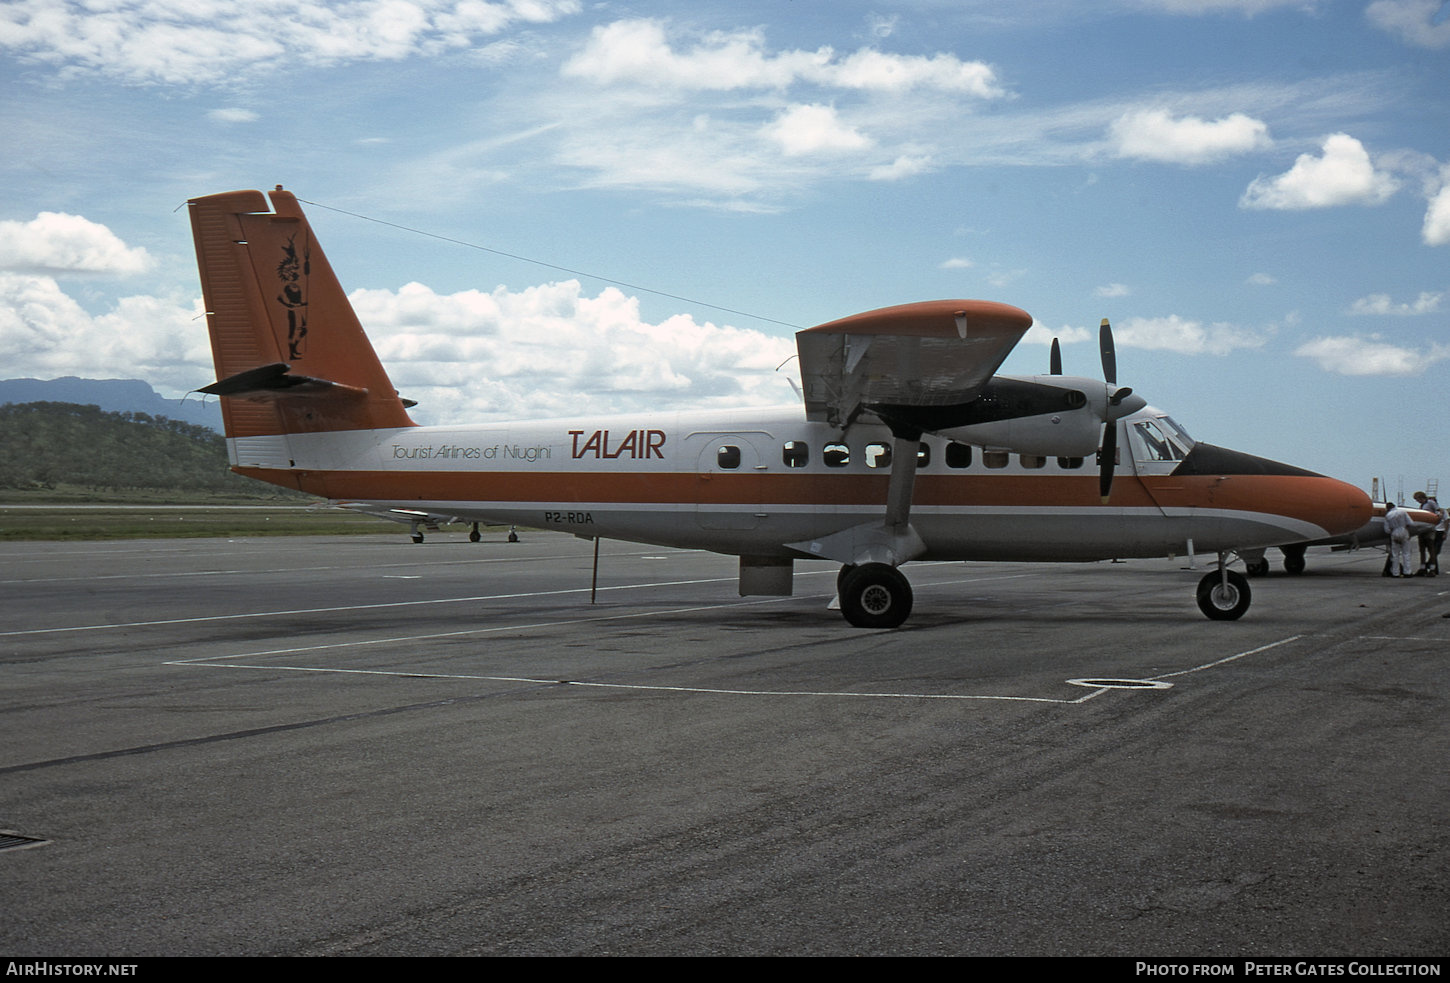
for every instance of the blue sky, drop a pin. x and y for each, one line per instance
(1256, 192)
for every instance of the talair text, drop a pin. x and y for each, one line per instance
(637, 444)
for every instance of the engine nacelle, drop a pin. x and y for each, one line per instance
(1047, 415)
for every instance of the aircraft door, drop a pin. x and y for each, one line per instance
(730, 479)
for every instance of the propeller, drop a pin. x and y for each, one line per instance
(1108, 446)
(1109, 453)
(1110, 358)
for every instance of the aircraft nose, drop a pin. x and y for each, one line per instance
(1353, 506)
(1257, 483)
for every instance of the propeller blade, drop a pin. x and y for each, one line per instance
(1109, 454)
(1055, 360)
(1110, 358)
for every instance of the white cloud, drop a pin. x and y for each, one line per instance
(57, 242)
(232, 115)
(1174, 334)
(1381, 305)
(1345, 175)
(1155, 135)
(44, 333)
(1248, 8)
(880, 72)
(881, 26)
(814, 129)
(1040, 334)
(1369, 356)
(638, 52)
(902, 167)
(1436, 231)
(163, 41)
(544, 351)
(475, 355)
(1416, 22)
(1112, 290)
(957, 263)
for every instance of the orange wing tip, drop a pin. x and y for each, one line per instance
(932, 319)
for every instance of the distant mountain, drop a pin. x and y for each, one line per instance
(113, 396)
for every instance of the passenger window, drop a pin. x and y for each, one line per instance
(795, 454)
(995, 459)
(1032, 462)
(878, 455)
(836, 455)
(959, 455)
(1069, 463)
(923, 454)
(728, 457)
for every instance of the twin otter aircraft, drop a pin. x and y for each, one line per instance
(909, 446)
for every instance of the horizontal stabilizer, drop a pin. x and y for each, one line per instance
(277, 380)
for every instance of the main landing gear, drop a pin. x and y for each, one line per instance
(873, 595)
(1224, 594)
(1257, 565)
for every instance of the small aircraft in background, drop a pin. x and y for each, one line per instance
(418, 521)
(1371, 534)
(908, 447)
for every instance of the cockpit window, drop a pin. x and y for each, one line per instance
(1174, 430)
(1155, 444)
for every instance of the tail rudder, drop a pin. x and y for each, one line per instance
(290, 354)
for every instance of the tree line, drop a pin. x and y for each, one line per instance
(46, 445)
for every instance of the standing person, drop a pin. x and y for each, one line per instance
(1431, 541)
(1397, 524)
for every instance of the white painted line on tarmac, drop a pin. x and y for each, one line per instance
(1230, 658)
(360, 607)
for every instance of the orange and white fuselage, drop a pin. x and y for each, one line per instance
(747, 483)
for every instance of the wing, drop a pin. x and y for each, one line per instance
(933, 354)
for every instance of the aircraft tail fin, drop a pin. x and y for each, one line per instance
(290, 354)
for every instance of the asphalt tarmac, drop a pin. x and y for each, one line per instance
(356, 745)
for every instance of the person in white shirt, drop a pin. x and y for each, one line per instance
(1431, 541)
(1397, 524)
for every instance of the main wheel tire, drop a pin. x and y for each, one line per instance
(1294, 561)
(875, 595)
(1257, 568)
(1224, 601)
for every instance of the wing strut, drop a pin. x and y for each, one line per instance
(892, 541)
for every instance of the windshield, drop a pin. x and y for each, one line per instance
(1160, 439)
